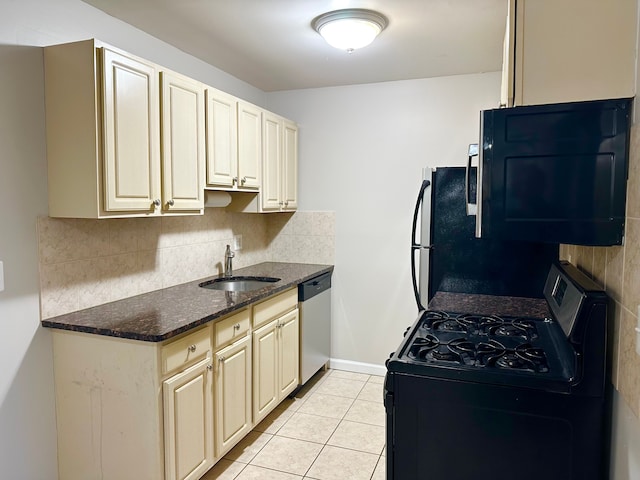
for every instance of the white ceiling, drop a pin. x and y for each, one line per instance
(270, 43)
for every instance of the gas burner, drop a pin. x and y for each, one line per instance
(443, 353)
(462, 345)
(488, 352)
(448, 325)
(534, 355)
(511, 330)
(513, 361)
(421, 346)
(527, 325)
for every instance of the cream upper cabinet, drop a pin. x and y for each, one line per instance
(222, 139)
(130, 131)
(568, 50)
(270, 194)
(249, 145)
(279, 164)
(234, 142)
(188, 422)
(183, 142)
(232, 404)
(290, 165)
(106, 154)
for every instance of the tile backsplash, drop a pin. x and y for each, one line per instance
(617, 269)
(84, 263)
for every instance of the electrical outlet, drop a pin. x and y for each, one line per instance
(237, 242)
(1, 277)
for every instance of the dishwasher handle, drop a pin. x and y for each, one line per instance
(314, 286)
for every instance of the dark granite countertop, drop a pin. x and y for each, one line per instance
(490, 305)
(162, 314)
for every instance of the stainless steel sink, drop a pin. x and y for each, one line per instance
(238, 284)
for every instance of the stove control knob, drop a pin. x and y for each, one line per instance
(406, 331)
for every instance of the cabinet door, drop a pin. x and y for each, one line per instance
(508, 56)
(182, 143)
(271, 162)
(131, 157)
(222, 138)
(574, 50)
(188, 425)
(290, 165)
(265, 370)
(249, 145)
(288, 352)
(232, 394)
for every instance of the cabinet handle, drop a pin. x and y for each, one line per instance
(286, 204)
(280, 203)
(171, 203)
(236, 326)
(192, 348)
(234, 181)
(209, 367)
(156, 202)
(244, 180)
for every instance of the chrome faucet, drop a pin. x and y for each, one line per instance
(228, 264)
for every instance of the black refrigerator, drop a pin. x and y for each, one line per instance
(446, 256)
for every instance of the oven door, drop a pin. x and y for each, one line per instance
(439, 428)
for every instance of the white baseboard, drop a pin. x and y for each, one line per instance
(357, 367)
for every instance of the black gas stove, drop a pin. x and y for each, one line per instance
(473, 395)
(507, 350)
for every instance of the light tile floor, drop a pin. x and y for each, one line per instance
(332, 430)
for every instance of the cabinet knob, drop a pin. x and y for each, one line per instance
(286, 204)
(280, 203)
(236, 326)
(209, 367)
(192, 348)
(244, 180)
(156, 202)
(234, 181)
(171, 203)
(221, 359)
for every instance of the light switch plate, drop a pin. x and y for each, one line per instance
(638, 332)
(1, 277)
(237, 242)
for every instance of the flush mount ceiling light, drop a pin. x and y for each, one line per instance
(349, 29)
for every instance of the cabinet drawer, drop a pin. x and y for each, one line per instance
(186, 350)
(231, 328)
(274, 307)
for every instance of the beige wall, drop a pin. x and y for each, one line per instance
(618, 270)
(84, 263)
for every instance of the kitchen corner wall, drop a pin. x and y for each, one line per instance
(84, 263)
(617, 269)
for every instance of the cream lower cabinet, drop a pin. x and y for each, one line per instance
(149, 411)
(188, 422)
(232, 394)
(275, 355)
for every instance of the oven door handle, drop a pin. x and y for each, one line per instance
(415, 246)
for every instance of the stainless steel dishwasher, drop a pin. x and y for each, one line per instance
(314, 297)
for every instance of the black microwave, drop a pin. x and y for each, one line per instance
(552, 173)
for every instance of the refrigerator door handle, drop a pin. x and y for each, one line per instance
(472, 208)
(415, 245)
